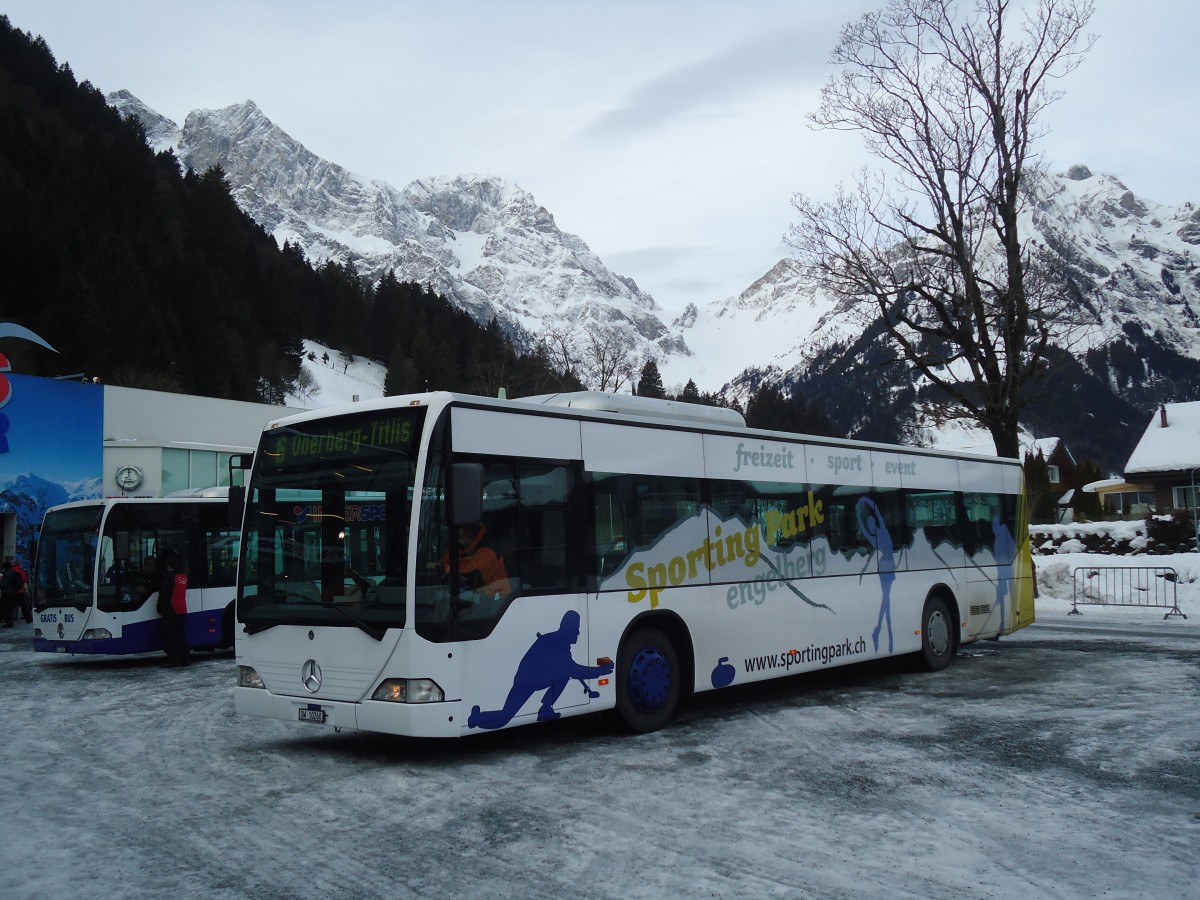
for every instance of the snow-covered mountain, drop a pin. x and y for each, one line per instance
(764, 328)
(490, 248)
(482, 242)
(1133, 257)
(161, 133)
(1137, 255)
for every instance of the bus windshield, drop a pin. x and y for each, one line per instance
(66, 558)
(327, 523)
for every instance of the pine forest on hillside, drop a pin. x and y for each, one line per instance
(148, 277)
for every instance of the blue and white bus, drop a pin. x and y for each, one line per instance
(97, 573)
(443, 565)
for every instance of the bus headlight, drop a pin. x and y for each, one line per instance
(247, 677)
(96, 634)
(409, 690)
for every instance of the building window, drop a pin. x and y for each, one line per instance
(184, 469)
(1185, 497)
(1052, 473)
(239, 475)
(175, 470)
(204, 469)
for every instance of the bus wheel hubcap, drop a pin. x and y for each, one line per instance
(649, 679)
(939, 634)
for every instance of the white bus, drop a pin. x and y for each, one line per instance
(98, 567)
(647, 549)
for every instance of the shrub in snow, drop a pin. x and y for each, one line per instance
(1155, 534)
(1111, 538)
(1170, 533)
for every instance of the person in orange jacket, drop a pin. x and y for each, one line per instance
(479, 567)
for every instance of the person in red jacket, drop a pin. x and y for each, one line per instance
(172, 606)
(24, 599)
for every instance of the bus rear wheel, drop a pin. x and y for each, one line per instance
(648, 676)
(937, 634)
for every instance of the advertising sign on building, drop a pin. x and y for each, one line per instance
(51, 451)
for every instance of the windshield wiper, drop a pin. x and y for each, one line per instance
(366, 627)
(255, 629)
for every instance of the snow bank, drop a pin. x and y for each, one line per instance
(1056, 584)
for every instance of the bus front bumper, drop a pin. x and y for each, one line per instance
(444, 719)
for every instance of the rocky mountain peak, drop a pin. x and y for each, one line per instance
(161, 132)
(482, 242)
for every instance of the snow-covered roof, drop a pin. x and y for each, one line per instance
(1114, 486)
(1045, 446)
(1171, 448)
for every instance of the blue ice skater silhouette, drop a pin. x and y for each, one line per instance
(879, 537)
(546, 666)
(1006, 552)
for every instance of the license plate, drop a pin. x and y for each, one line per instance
(313, 715)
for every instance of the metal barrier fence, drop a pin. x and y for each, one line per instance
(1126, 586)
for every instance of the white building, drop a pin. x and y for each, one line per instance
(66, 440)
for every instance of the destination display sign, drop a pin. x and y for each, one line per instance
(344, 440)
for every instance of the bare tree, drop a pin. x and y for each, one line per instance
(950, 101)
(306, 385)
(608, 358)
(558, 345)
(602, 358)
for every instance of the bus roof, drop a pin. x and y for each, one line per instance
(620, 407)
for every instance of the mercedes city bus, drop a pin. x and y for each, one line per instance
(443, 565)
(97, 569)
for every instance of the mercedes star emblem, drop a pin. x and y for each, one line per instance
(310, 676)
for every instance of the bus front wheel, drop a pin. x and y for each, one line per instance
(937, 634)
(647, 680)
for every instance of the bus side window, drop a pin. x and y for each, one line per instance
(633, 512)
(841, 527)
(544, 543)
(891, 503)
(221, 553)
(609, 523)
(984, 513)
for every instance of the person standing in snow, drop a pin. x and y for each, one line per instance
(10, 585)
(172, 606)
(24, 599)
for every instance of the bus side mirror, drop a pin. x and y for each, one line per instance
(237, 492)
(237, 505)
(121, 545)
(466, 493)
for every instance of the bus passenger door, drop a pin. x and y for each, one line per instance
(531, 663)
(207, 622)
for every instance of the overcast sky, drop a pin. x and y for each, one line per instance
(669, 135)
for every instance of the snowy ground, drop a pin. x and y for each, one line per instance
(1060, 762)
